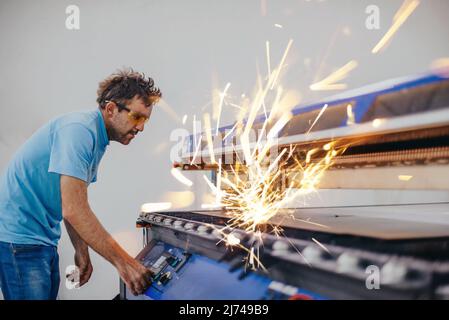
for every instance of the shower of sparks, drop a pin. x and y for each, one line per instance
(180, 177)
(400, 17)
(251, 190)
(330, 82)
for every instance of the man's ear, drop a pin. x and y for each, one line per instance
(109, 108)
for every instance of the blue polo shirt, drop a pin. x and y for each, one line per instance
(30, 193)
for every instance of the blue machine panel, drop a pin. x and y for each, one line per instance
(179, 275)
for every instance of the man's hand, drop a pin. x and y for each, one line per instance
(136, 277)
(84, 269)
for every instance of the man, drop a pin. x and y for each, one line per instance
(47, 181)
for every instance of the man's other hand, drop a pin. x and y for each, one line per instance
(136, 277)
(84, 269)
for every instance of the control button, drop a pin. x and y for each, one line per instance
(203, 229)
(168, 222)
(178, 224)
(393, 272)
(189, 226)
(165, 278)
(348, 263)
(312, 254)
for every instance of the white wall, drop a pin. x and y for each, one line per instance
(186, 46)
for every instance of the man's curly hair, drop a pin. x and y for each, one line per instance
(124, 85)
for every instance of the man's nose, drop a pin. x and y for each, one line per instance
(140, 127)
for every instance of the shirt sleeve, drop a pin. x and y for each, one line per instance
(72, 151)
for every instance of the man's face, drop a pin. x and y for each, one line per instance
(124, 124)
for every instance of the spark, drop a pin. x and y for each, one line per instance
(405, 177)
(184, 119)
(320, 245)
(278, 70)
(232, 240)
(329, 83)
(277, 25)
(230, 131)
(180, 177)
(155, 206)
(235, 106)
(267, 46)
(401, 16)
(318, 117)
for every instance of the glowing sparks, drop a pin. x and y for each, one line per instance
(184, 119)
(267, 47)
(277, 25)
(180, 177)
(155, 206)
(405, 177)
(329, 83)
(318, 117)
(253, 191)
(232, 240)
(278, 70)
(320, 245)
(401, 16)
(230, 131)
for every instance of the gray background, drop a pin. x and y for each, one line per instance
(188, 47)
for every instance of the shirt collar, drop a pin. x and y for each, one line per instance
(103, 133)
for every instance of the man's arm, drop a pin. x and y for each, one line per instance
(76, 211)
(82, 258)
